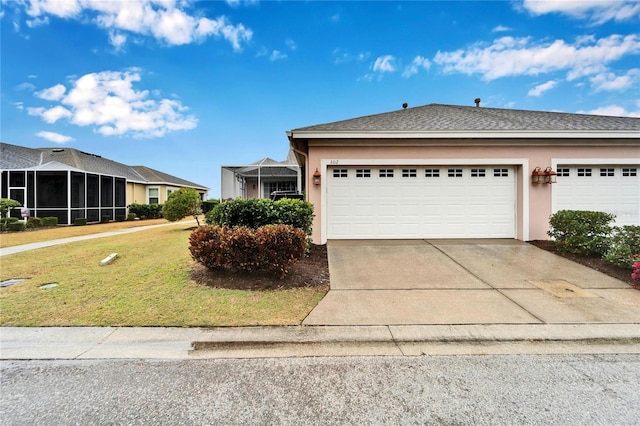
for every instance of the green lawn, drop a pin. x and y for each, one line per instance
(147, 285)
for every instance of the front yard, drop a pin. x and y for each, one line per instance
(149, 284)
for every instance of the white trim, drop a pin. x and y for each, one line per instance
(475, 134)
(555, 162)
(152, 187)
(522, 162)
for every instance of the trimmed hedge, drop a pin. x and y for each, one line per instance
(624, 247)
(15, 226)
(257, 212)
(209, 205)
(34, 222)
(50, 221)
(585, 233)
(146, 211)
(80, 221)
(272, 248)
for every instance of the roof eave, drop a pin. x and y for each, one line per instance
(467, 134)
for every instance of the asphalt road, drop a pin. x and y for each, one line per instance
(485, 389)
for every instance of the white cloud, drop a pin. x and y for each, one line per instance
(612, 110)
(500, 29)
(341, 56)
(418, 62)
(52, 93)
(541, 88)
(596, 11)
(277, 55)
(509, 56)
(384, 64)
(26, 86)
(167, 21)
(108, 102)
(610, 82)
(55, 137)
(291, 44)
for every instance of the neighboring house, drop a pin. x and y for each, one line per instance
(260, 179)
(444, 171)
(70, 184)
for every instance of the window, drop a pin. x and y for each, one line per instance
(363, 173)
(630, 172)
(106, 191)
(563, 172)
(478, 172)
(432, 173)
(454, 173)
(287, 185)
(385, 173)
(340, 173)
(584, 172)
(607, 172)
(153, 195)
(500, 172)
(409, 173)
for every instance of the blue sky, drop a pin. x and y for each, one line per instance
(184, 86)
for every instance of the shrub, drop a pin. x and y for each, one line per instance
(181, 203)
(146, 211)
(34, 222)
(209, 205)
(272, 248)
(105, 219)
(50, 221)
(6, 204)
(80, 221)
(120, 218)
(585, 233)
(15, 226)
(132, 216)
(252, 213)
(624, 244)
(635, 275)
(255, 213)
(297, 213)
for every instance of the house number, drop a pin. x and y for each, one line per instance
(333, 162)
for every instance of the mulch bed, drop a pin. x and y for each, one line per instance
(310, 271)
(592, 262)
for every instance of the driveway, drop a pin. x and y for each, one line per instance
(391, 282)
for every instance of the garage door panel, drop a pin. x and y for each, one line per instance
(428, 202)
(610, 188)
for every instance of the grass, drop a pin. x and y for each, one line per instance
(147, 285)
(47, 234)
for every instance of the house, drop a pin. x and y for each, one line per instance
(70, 184)
(446, 171)
(261, 179)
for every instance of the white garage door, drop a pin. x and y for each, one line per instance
(421, 202)
(608, 188)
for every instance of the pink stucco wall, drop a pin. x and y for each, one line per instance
(539, 153)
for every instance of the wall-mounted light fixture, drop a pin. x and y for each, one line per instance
(316, 177)
(543, 176)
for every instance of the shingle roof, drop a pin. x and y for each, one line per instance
(19, 157)
(154, 176)
(452, 118)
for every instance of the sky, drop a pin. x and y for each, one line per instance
(187, 86)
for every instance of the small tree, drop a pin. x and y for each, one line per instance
(5, 205)
(181, 203)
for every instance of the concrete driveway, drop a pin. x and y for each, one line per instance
(393, 282)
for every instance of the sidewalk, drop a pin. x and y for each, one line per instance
(58, 343)
(6, 251)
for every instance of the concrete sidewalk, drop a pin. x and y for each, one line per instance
(6, 251)
(75, 343)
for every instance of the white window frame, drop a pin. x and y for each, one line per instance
(149, 188)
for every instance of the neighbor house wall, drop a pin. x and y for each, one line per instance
(533, 201)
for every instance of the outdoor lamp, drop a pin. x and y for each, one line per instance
(316, 177)
(537, 176)
(549, 175)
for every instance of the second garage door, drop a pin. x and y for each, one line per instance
(389, 202)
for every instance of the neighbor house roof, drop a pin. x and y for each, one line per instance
(154, 176)
(18, 157)
(268, 167)
(436, 120)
